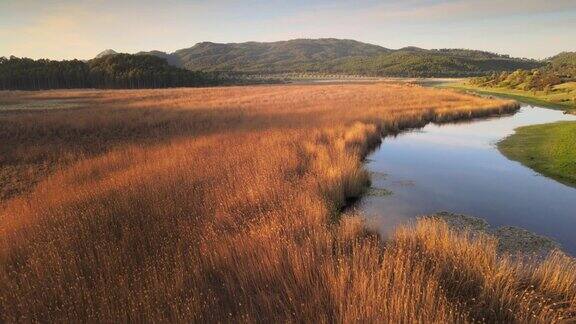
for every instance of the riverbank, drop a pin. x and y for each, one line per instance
(549, 149)
(561, 97)
(514, 241)
(458, 168)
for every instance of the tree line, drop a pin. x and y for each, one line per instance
(527, 80)
(116, 71)
(559, 69)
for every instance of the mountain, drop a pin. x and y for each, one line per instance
(284, 56)
(172, 59)
(106, 53)
(329, 55)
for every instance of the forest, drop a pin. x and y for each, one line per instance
(124, 71)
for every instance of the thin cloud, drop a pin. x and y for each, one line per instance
(470, 9)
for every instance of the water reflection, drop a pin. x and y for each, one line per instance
(457, 168)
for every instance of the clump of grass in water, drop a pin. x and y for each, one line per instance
(378, 192)
(377, 175)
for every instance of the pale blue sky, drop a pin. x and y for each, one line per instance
(64, 29)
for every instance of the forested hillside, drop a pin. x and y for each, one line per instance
(340, 56)
(558, 70)
(563, 65)
(107, 71)
(553, 84)
(432, 63)
(287, 56)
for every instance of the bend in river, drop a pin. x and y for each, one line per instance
(457, 168)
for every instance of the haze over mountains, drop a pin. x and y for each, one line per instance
(341, 56)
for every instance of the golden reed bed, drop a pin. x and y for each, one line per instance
(223, 204)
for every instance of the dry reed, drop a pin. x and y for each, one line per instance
(223, 204)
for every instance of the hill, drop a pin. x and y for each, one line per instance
(287, 56)
(172, 59)
(340, 56)
(564, 58)
(275, 57)
(432, 63)
(558, 69)
(553, 84)
(563, 65)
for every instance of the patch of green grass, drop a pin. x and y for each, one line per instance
(550, 149)
(562, 96)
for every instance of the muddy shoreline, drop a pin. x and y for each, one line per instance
(512, 240)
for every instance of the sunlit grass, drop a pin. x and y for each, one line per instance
(561, 96)
(549, 149)
(223, 204)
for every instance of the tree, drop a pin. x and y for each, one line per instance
(111, 71)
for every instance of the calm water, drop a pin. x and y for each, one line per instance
(457, 168)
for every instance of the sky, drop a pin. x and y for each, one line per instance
(66, 29)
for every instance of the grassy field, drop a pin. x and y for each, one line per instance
(562, 96)
(223, 205)
(549, 149)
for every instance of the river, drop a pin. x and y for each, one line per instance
(457, 168)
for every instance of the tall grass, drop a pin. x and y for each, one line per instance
(223, 204)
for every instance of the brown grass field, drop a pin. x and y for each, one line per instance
(224, 205)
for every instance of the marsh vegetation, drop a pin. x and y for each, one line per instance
(222, 204)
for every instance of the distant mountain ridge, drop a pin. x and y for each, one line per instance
(330, 55)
